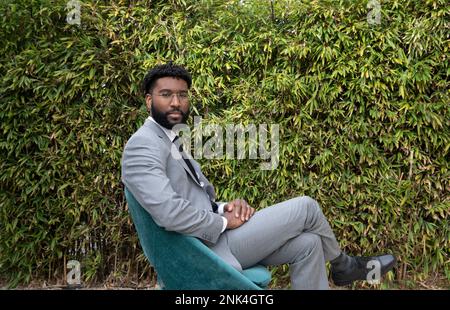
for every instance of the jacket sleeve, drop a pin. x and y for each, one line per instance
(143, 173)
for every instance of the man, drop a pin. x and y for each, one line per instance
(180, 198)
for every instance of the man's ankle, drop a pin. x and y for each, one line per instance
(342, 262)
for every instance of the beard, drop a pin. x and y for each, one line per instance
(161, 117)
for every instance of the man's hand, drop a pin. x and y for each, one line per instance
(237, 212)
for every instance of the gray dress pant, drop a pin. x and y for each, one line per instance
(293, 232)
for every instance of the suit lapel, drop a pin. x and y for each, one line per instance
(173, 148)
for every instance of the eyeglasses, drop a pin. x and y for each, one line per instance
(168, 96)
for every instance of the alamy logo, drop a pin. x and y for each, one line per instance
(74, 15)
(73, 277)
(374, 275)
(221, 142)
(374, 15)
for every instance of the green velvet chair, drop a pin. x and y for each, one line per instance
(185, 263)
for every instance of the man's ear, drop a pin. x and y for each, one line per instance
(148, 102)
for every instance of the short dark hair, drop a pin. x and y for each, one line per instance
(165, 70)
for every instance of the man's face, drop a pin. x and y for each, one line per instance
(169, 102)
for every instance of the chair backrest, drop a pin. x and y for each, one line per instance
(180, 261)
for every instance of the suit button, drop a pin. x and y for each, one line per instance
(202, 184)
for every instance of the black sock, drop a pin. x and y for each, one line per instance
(342, 262)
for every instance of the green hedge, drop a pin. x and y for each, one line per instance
(363, 112)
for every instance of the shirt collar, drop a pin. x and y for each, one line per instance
(170, 134)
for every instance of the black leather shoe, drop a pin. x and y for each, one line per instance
(360, 267)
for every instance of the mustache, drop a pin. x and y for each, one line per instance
(175, 110)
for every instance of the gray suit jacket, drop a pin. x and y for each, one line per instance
(166, 188)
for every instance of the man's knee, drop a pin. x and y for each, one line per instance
(309, 243)
(308, 202)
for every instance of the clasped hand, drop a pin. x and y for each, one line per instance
(237, 212)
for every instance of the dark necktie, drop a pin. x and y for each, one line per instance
(214, 205)
(186, 160)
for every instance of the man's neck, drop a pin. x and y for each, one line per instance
(170, 134)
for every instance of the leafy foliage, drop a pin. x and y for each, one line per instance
(363, 112)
